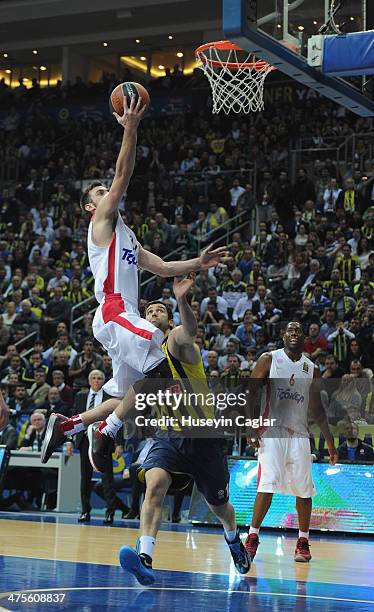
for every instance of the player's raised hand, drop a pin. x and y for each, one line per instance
(210, 257)
(133, 114)
(333, 455)
(181, 286)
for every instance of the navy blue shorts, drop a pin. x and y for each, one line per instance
(201, 460)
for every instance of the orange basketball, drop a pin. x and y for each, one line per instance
(129, 90)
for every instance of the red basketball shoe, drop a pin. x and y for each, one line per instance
(54, 436)
(302, 552)
(251, 544)
(100, 447)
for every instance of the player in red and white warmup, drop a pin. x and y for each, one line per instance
(284, 456)
(133, 343)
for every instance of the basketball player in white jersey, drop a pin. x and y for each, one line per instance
(284, 456)
(133, 343)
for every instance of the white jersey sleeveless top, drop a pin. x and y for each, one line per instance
(287, 392)
(115, 267)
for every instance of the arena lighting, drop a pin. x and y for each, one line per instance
(161, 67)
(105, 44)
(5, 55)
(179, 54)
(43, 68)
(315, 22)
(35, 51)
(8, 71)
(300, 27)
(143, 58)
(170, 37)
(351, 18)
(142, 66)
(137, 41)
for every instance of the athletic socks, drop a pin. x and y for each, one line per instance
(111, 425)
(304, 534)
(145, 546)
(230, 535)
(254, 530)
(72, 426)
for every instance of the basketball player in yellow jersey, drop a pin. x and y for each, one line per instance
(172, 459)
(187, 369)
(177, 460)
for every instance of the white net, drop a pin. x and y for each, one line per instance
(236, 79)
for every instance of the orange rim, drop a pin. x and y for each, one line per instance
(226, 45)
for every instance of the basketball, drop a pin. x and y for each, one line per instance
(127, 90)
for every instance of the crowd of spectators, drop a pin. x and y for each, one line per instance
(309, 256)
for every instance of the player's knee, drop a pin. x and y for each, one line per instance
(157, 483)
(111, 404)
(264, 496)
(306, 501)
(223, 511)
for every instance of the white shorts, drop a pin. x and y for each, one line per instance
(133, 343)
(285, 466)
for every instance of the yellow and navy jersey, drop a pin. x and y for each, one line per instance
(367, 231)
(191, 382)
(140, 230)
(308, 216)
(358, 287)
(252, 277)
(235, 287)
(232, 380)
(329, 287)
(348, 267)
(350, 200)
(28, 374)
(76, 297)
(340, 348)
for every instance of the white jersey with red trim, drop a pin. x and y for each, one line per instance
(287, 393)
(115, 267)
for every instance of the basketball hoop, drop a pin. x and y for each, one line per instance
(236, 77)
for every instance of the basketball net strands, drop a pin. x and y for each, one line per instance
(236, 77)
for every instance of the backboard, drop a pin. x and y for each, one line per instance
(278, 32)
(292, 23)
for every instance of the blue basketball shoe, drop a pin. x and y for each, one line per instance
(140, 565)
(239, 554)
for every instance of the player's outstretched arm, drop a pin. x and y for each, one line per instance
(126, 158)
(186, 332)
(209, 258)
(319, 416)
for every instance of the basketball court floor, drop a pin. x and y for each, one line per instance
(50, 562)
